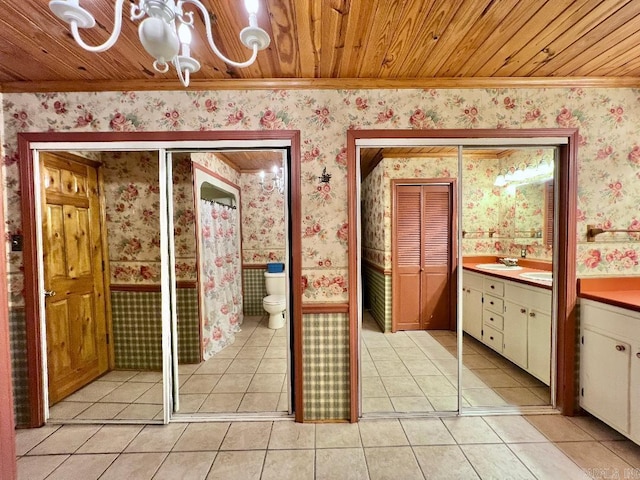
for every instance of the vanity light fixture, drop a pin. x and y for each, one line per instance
(277, 181)
(165, 33)
(526, 174)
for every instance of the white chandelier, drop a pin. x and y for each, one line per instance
(166, 32)
(277, 181)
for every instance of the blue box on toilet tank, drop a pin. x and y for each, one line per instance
(275, 267)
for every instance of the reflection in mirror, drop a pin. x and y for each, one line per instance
(232, 356)
(507, 317)
(128, 384)
(407, 366)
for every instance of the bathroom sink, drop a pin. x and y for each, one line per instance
(539, 276)
(497, 266)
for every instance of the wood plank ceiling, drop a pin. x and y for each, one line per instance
(343, 43)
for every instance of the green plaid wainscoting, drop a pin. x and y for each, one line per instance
(137, 330)
(254, 291)
(326, 366)
(377, 293)
(18, 341)
(188, 325)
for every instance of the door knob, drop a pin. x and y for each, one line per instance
(49, 293)
(620, 348)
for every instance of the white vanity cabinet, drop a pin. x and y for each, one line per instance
(512, 318)
(472, 304)
(610, 365)
(527, 333)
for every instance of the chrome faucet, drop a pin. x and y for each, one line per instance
(509, 262)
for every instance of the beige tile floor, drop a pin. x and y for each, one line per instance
(416, 371)
(248, 376)
(494, 447)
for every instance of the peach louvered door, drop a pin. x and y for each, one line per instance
(77, 350)
(421, 257)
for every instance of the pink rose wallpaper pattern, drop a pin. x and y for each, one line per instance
(608, 156)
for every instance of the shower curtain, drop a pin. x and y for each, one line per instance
(221, 276)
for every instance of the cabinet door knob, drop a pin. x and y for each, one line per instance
(638, 354)
(491, 302)
(491, 319)
(492, 287)
(523, 310)
(620, 348)
(491, 338)
(532, 314)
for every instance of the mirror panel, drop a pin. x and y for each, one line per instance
(131, 388)
(403, 371)
(229, 359)
(506, 322)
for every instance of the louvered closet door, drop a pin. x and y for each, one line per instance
(436, 244)
(421, 257)
(407, 257)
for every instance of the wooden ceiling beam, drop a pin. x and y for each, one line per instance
(322, 84)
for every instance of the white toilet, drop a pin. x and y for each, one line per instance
(275, 303)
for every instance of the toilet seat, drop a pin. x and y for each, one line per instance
(274, 299)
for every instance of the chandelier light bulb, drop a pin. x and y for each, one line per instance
(252, 6)
(184, 34)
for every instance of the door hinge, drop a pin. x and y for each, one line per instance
(582, 339)
(107, 338)
(482, 300)
(103, 265)
(582, 392)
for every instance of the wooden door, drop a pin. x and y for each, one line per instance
(421, 268)
(77, 349)
(436, 257)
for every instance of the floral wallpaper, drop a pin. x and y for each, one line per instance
(263, 223)
(133, 224)
(132, 203)
(609, 150)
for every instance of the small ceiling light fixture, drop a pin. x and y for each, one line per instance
(277, 181)
(165, 33)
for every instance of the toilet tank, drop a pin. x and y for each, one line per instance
(275, 283)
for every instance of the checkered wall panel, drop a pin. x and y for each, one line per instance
(253, 291)
(137, 330)
(326, 366)
(188, 325)
(377, 289)
(18, 346)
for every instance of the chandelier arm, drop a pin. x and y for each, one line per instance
(117, 24)
(212, 44)
(184, 78)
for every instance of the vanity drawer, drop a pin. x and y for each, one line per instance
(493, 319)
(494, 304)
(492, 338)
(495, 287)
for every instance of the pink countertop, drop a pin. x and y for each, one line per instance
(623, 292)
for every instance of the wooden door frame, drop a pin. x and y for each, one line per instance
(566, 174)
(30, 253)
(452, 183)
(7, 427)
